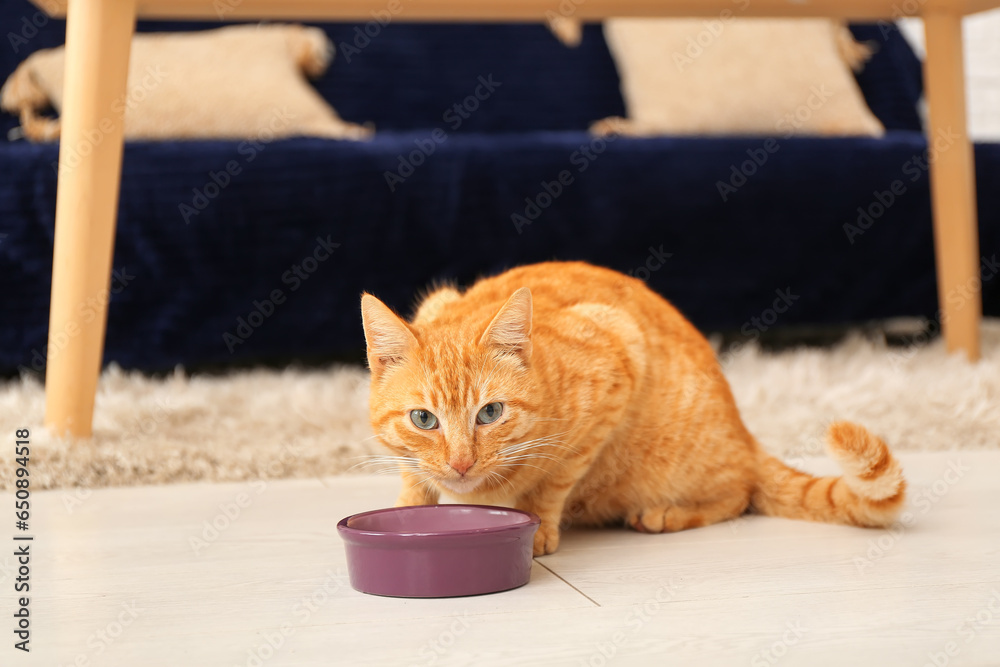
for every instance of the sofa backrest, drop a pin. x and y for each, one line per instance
(405, 76)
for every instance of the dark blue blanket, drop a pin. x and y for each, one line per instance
(232, 252)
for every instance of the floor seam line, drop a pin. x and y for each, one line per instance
(559, 577)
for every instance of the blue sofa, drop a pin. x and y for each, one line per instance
(238, 252)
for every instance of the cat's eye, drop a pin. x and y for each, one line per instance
(490, 413)
(423, 419)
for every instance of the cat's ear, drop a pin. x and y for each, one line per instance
(511, 328)
(389, 338)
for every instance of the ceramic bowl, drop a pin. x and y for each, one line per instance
(432, 551)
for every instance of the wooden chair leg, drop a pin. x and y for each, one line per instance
(953, 185)
(98, 41)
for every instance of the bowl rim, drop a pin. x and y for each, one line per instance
(343, 527)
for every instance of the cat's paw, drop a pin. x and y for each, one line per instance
(665, 519)
(654, 520)
(546, 539)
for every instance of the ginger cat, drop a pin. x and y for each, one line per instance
(579, 394)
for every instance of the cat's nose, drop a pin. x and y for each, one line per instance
(461, 466)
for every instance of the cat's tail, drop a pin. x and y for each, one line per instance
(870, 493)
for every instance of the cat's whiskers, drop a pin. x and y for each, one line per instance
(531, 454)
(535, 448)
(531, 457)
(382, 464)
(522, 453)
(551, 437)
(526, 465)
(386, 471)
(536, 444)
(494, 474)
(537, 457)
(355, 443)
(380, 458)
(426, 479)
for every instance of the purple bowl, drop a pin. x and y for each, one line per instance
(436, 551)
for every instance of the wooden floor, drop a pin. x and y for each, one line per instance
(140, 577)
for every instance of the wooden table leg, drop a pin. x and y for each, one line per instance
(98, 40)
(953, 185)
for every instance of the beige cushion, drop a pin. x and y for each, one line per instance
(236, 82)
(773, 77)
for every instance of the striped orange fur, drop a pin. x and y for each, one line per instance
(613, 409)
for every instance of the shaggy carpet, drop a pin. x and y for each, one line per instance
(298, 423)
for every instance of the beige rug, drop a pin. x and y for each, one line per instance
(308, 423)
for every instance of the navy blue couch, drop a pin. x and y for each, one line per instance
(232, 252)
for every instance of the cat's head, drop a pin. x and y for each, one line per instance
(454, 399)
